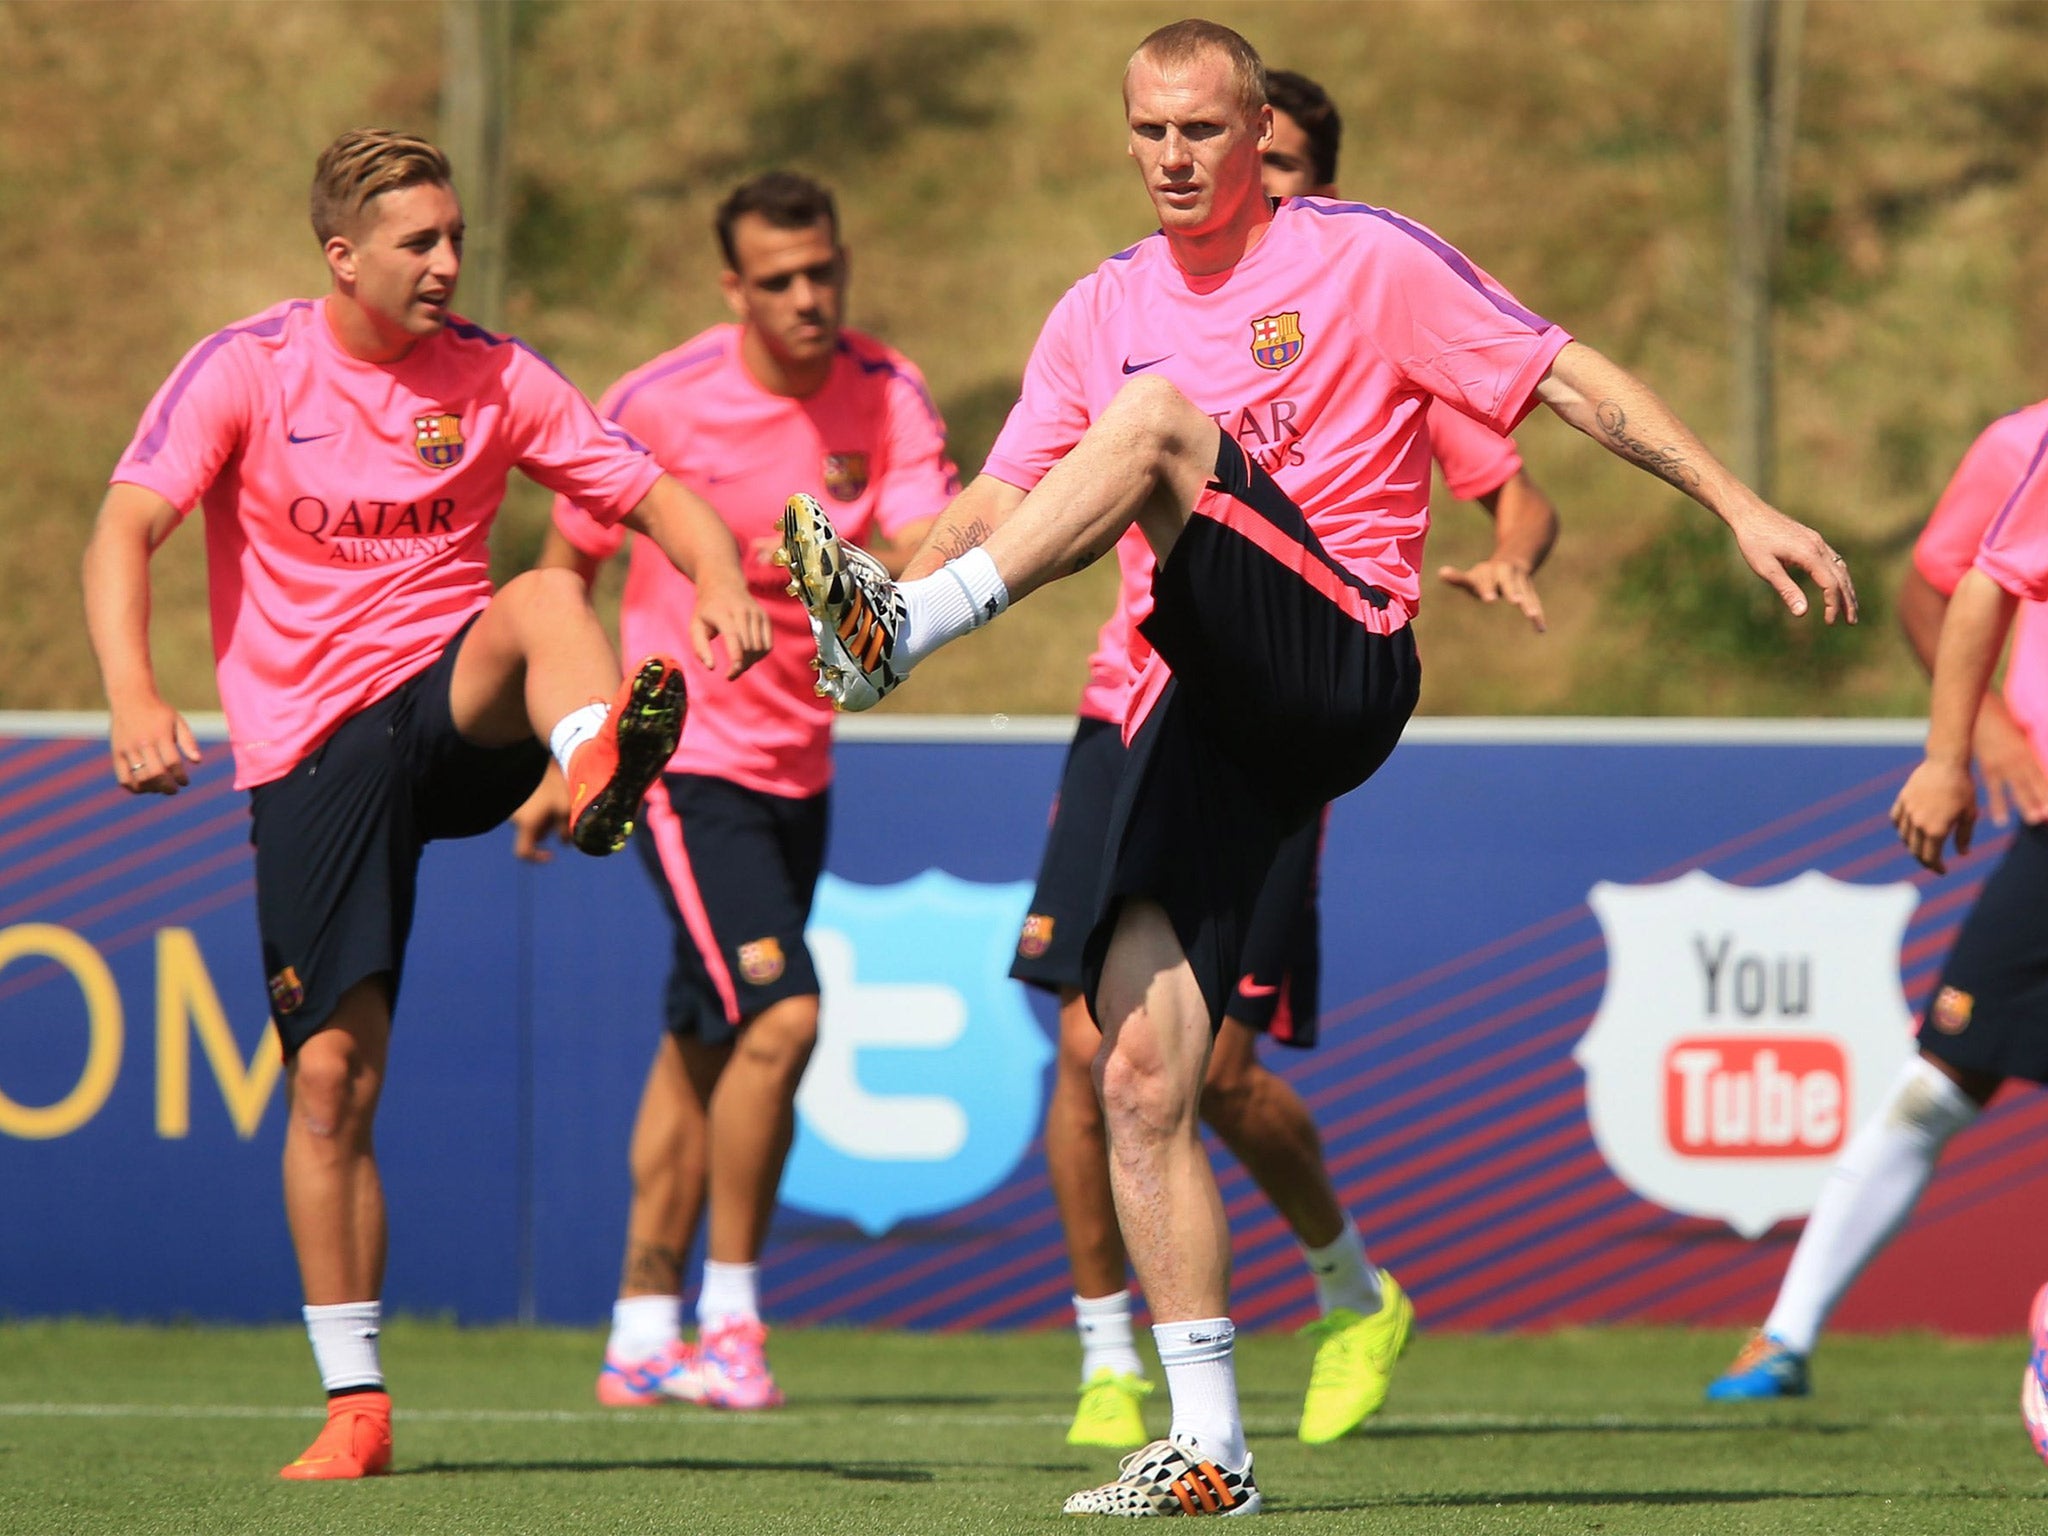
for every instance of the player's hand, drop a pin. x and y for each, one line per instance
(150, 743)
(2013, 780)
(727, 610)
(545, 815)
(1499, 581)
(1939, 799)
(1770, 541)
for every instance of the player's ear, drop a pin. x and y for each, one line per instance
(735, 293)
(340, 252)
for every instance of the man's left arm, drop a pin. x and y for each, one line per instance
(697, 543)
(1941, 798)
(1622, 414)
(1524, 530)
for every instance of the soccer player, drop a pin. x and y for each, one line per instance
(1986, 1022)
(1247, 385)
(351, 452)
(738, 818)
(1365, 1317)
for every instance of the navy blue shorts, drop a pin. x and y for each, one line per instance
(1279, 991)
(1283, 697)
(338, 840)
(1990, 1013)
(737, 870)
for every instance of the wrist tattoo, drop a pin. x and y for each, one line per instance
(955, 542)
(1667, 463)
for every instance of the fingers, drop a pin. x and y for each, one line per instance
(1995, 795)
(526, 841)
(1518, 589)
(1966, 824)
(1464, 581)
(1781, 582)
(2029, 793)
(701, 631)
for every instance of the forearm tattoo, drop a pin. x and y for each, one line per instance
(651, 1267)
(955, 542)
(1667, 463)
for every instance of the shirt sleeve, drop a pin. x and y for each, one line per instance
(2015, 549)
(1982, 483)
(917, 477)
(1475, 461)
(584, 531)
(571, 449)
(1453, 331)
(195, 424)
(1050, 415)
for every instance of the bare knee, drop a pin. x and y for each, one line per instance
(1159, 420)
(1233, 1078)
(545, 590)
(334, 1089)
(1140, 1098)
(780, 1038)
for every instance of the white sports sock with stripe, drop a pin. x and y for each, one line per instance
(1867, 1197)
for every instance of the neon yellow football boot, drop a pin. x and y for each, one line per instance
(1112, 1410)
(1354, 1364)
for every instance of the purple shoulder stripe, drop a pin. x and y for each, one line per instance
(1449, 255)
(470, 331)
(2033, 468)
(874, 365)
(690, 359)
(152, 444)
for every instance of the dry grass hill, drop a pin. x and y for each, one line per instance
(153, 160)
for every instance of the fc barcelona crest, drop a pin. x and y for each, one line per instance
(761, 961)
(438, 439)
(1277, 339)
(846, 475)
(287, 992)
(1036, 938)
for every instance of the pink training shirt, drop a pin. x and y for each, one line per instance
(1475, 462)
(1994, 515)
(348, 504)
(869, 445)
(1319, 352)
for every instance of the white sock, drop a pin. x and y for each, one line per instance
(731, 1294)
(1867, 1198)
(960, 595)
(574, 729)
(1201, 1378)
(644, 1325)
(1104, 1323)
(344, 1339)
(1344, 1276)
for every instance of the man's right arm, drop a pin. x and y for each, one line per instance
(984, 506)
(2012, 774)
(143, 729)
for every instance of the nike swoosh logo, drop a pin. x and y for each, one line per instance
(1131, 367)
(721, 479)
(1250, 987)
(293, 437)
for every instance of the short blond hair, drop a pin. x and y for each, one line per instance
(1183, 42)
(361, 166)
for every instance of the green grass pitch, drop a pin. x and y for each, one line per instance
(114, 1429)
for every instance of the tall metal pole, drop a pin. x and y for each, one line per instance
(476, 91)
(1762, 111)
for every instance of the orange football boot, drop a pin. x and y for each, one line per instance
(356, 1441)
(610, 772)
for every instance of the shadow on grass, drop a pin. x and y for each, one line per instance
(1600, 1426)
(1576, 1499)
(851, 1472)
